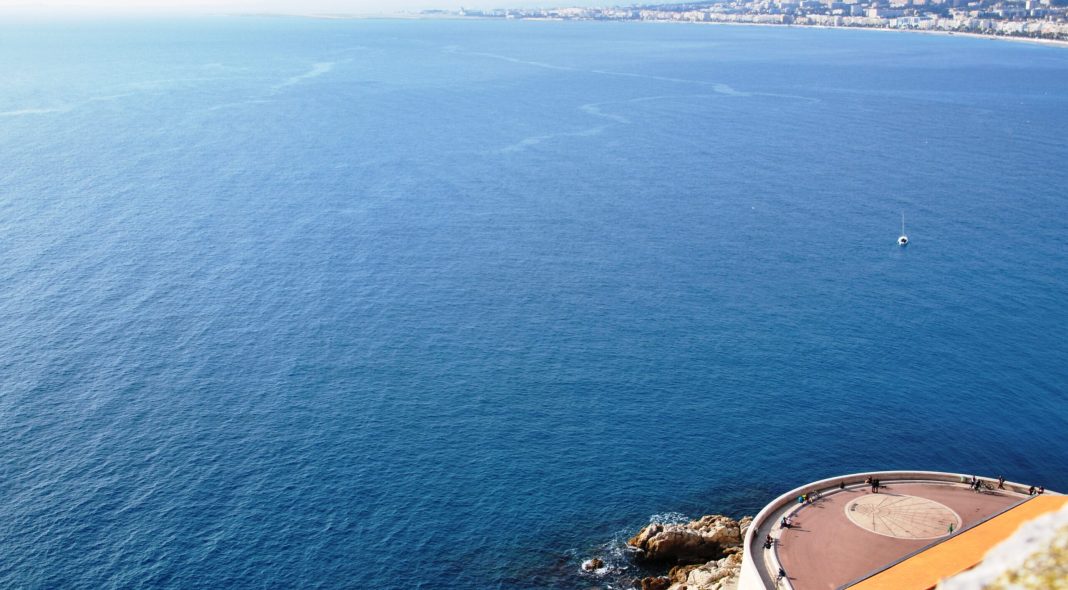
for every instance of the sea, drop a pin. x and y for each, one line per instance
(458, 304)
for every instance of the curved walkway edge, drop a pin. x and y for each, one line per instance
(760, 567)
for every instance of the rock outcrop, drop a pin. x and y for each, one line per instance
(594, 564)
(656, 583)
(721, 574)
(695, 542)
(707, 553)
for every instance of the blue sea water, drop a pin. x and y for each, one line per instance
(458, 304)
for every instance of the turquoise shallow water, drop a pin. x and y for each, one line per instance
(457, 304)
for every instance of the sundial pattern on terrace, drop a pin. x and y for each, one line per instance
(902, 517)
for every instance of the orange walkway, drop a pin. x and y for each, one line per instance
(958, 553)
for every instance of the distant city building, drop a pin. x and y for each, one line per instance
(1045, 19)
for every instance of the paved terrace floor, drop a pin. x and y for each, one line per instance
(960, 552)
(850, 533)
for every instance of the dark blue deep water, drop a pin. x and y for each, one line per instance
(456, 305)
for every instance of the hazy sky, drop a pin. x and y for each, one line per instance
(286, 6)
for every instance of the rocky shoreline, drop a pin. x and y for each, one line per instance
(703, 554)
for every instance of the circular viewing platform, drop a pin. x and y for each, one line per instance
(845, 533)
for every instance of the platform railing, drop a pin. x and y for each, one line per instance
(755, 574)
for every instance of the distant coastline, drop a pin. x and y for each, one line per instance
(1050, 42)
(1018, 39)
(458, 17)
(1034, 19)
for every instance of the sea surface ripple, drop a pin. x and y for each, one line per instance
(296, 303)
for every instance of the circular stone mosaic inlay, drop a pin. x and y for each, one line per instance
(903, 517)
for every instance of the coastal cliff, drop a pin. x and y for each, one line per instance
(706, 554)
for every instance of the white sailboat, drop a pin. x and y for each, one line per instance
(904, 239)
